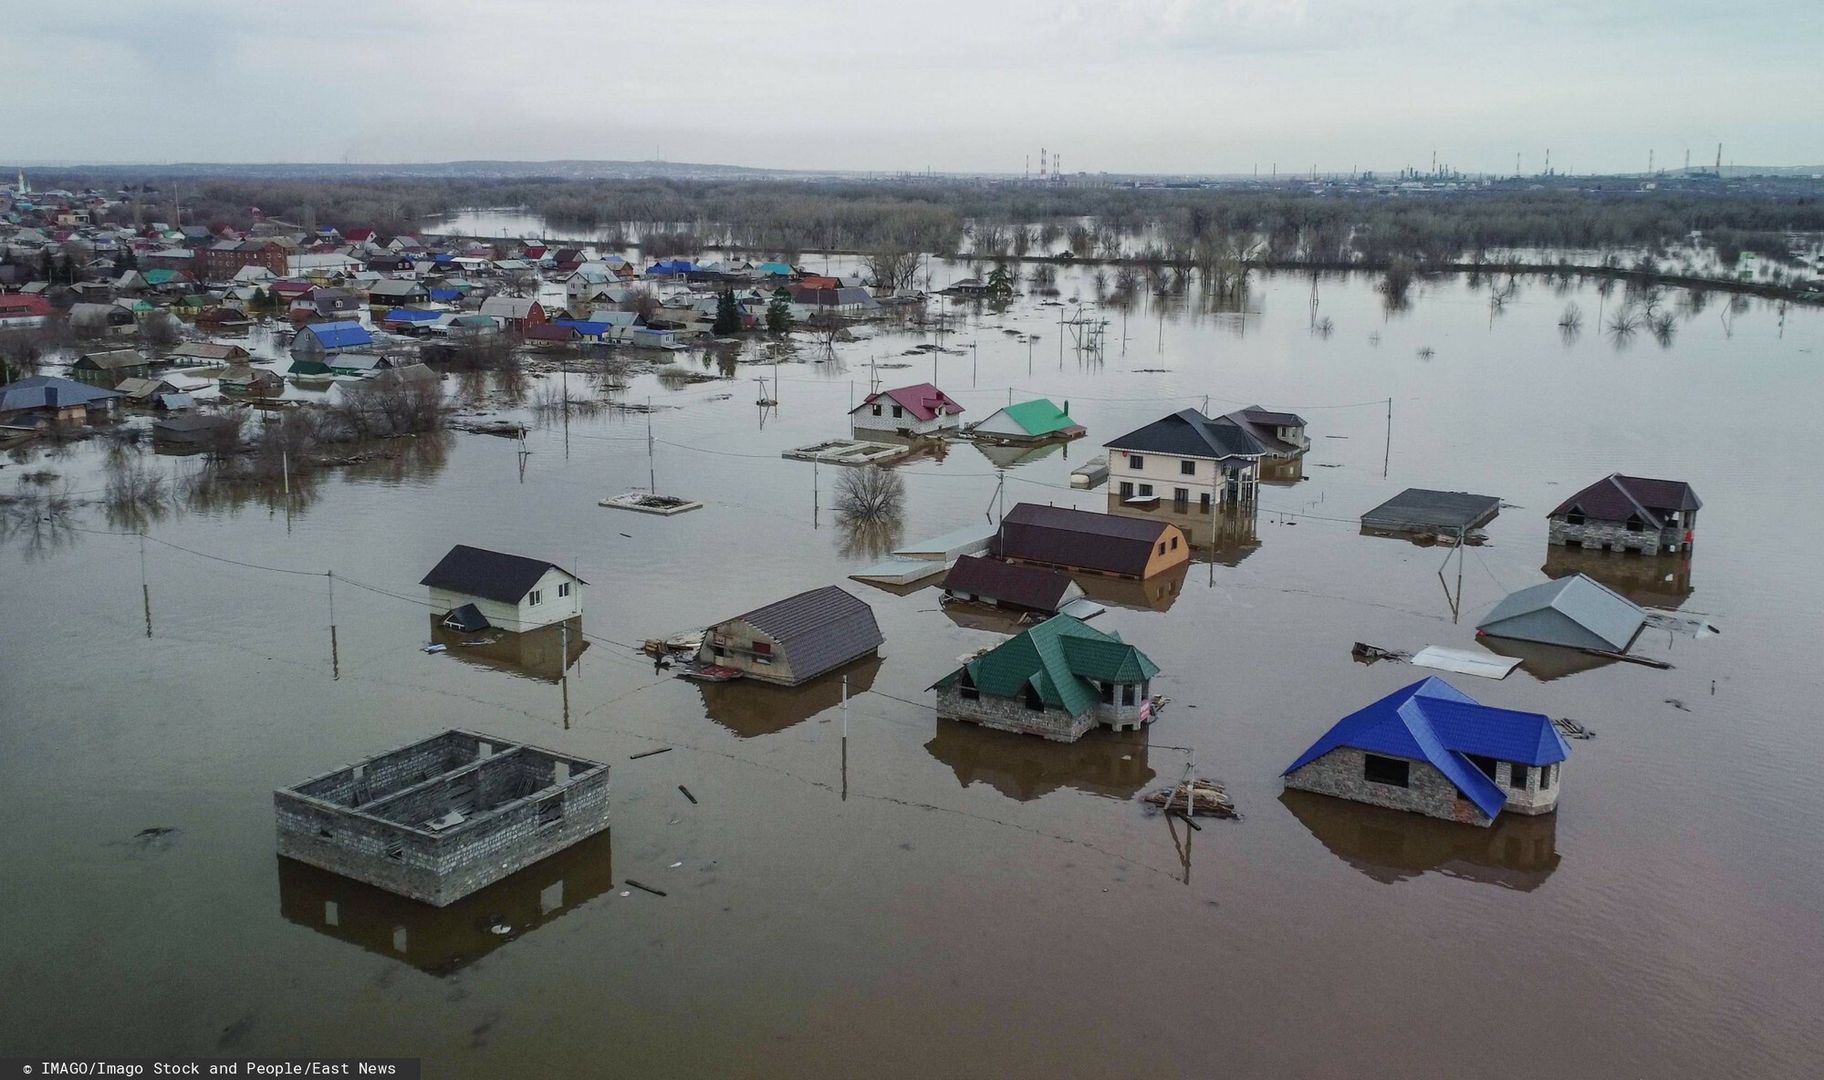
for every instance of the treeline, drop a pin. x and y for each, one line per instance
(1281, 223)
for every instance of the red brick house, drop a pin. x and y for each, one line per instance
(223, 259)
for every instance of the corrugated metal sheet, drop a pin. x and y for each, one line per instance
(1464, 662)
(1033, 587)
(1079, 538)
(1440, 511)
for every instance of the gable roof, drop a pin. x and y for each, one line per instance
(508, 307)
(339, 335)
(1616, 498)
(112, 360)
(491, 575)
(818, 630)
(1025, 586)
(206, 350)
(1264, 425)
(1057, 659)
(1575, 611)
(1433, 721)
(922, 400)
(1189, 433)
(1082, 538)
(1039, 417)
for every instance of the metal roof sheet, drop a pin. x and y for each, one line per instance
(818, 630)
(1079, 538)
(1422, 508)
(491, 575)
(1032, 587)
(1057, 659)
(1576, 606)
(1189, 433)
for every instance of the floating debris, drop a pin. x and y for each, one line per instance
(644, 888)
(649, 753)
(1206, 798)
(1370, 654)
(645, 502)
(1571, 729)
(687, 795)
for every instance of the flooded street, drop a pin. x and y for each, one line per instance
(954, 901)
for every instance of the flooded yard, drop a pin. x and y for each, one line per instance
(937, 899)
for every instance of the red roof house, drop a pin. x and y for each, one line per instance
(921, 409)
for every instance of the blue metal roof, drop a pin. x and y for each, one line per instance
(586, 327)
(446, 294)
(1433, 721)
(340, 335)
(672, 266)
(413, 315)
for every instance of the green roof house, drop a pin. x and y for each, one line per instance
(1029, 421)
(1058, 680)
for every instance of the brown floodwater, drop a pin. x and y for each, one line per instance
(941, 900)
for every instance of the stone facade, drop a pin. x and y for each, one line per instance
(370, 821)
(956, 702)
(1341, 773)
(1616, 536)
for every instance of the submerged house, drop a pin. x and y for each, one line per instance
(49, 398)
(314, 341)
(1011, 586)
(1187, 456)
(442, 817)
(1028, 422)
(478, 588)
(1423, 512)
(921, 409)
(1058, 680)
(515, 313)
(1433, 750)
(1628, 513)
(1576, 612)
(1090, 542)
(113, 364)
(794, 640)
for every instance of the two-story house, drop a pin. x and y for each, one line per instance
(1186, 457)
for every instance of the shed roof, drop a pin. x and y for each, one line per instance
(1189, 433)
(1435, 722)
(1616, 498)
(818, 630)
(1422, 508)
(1570, 611)
(1032, 587)
(491, 575)
(1057, 659)
(112, 360)
(1083, 538)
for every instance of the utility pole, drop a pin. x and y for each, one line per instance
(1387, 456)
(652, 481)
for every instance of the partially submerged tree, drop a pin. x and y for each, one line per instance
(779, 312)
(728, 315)
(869, 494)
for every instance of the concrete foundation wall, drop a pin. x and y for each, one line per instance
(1614, 536)
(1011, 714)
(1429, 791)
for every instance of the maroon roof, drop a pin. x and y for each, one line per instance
(1079, 538)
(551, 332)
(1032, 587)
(922, 400)
(1616, 498)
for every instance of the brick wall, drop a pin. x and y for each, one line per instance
(1614, 536)
(1429, 791)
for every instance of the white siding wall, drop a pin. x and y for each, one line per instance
(516, 618)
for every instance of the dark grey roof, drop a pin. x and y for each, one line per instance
(1189, 433)
(491, 575)
(1574, 611)
(818, 630)
(1079, 538)
(1032, 587)
(467, 618)
(1616, 498)
(1420, 508)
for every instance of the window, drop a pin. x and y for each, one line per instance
(1187, 468)
(1575, 517)
(563, 588)
(1635, 524)
(551, 811)
(1127, 489)
(1181, 497)
(1486, 764)
(536, 597)
(1034, 701)
(1203, 501)
(1127, 693)
(1174, 543)
(898, 412)
(1108, 693)
(762, 648)
(1518, 775)
(877, 410)
(968, 693)
(1135, 461)
(1545, 777)
(1146, 491)
(1162, 547)
(1385, 770)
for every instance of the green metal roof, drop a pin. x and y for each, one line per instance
(1058, 658)
(1040, 417)
(159, 277)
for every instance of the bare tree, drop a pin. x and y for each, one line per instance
(869, 493)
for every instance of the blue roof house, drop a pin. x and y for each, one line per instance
(1432, 750)
(316, 339)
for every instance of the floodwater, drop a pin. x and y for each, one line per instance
(945, 901)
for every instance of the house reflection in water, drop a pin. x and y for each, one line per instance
(1156, 593)
(1013, 456)
(1518, 851)
(534, 654)
(443, 941)
(1235, 536)
(1103, 762)
(1662, 581)
(750, 708)
(1546, 662)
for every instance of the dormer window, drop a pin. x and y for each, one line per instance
(1575, 517)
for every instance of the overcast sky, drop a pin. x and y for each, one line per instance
(953, 85)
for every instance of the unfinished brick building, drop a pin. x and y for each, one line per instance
(443, 817)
